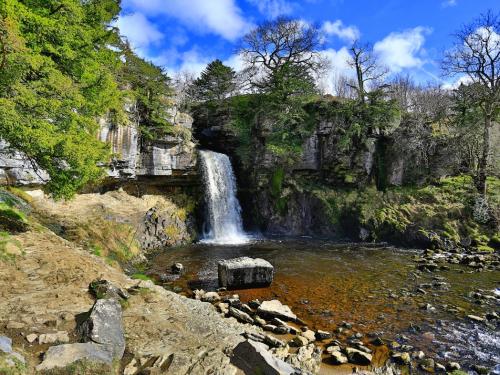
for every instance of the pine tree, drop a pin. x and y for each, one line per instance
(216, 83)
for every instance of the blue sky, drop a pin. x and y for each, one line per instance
(409, 36)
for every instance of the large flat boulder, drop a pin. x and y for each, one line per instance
(245, 272)
(61, 356)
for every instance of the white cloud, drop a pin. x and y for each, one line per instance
(338, 60)
(337, 28)
(455, 84)
(222, 17)
(140, 32)
(402, 50)
(448, 3)
(273, 8)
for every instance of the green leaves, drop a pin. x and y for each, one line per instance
(58, 77)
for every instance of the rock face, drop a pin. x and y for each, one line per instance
(169, 160)
(245, 272)
(254, 358)
(16, 169)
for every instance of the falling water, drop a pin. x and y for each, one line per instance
(223, 221)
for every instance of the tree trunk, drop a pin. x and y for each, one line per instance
(483, 160)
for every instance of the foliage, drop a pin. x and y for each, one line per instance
(55, 79)
(62, 66)
(149, 87)
(445, 208)
(215, 83)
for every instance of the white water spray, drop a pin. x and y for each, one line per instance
(223, 222)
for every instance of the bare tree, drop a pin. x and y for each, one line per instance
(476, 54)
(368, 68)
(281, 47)
(344, 87)
(402, 90)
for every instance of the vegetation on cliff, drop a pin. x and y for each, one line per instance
(62, 66)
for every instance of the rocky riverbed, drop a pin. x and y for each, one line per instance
(375, 300)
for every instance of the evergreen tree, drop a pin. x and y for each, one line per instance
(216, 83)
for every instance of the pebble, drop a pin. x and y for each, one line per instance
(51, 338)
(31, 337)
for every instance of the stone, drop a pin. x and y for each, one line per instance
(418, 355)
(377, 341)
(332, 348)
(211, 297)
(269, 327)
(177, 268)
(323, 335)
(401, 358)
(309, 335)
(475, 318)
(439, 367)
(245, 308)
(15, 325)
(61, 356)
(299, 341)
(280, 323)
(337, 358)
(5, 344)
(453, 366)
(31, 337)
(307, 358)
(240, 315)
(223, 308)
(275, 308)
(245, 272)
(259, 321)
(427, 365)
(254, 358)
(104, 326)
(358, 357)
(60, 337)
(281, 330)
(199, 293)
(104, 289)
(254, 304)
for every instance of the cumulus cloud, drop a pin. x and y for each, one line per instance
(339, 67)
(402, 50)
(337, 28)
(139, 31)
(222, 17)
(273, 8)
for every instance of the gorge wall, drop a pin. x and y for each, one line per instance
(170, 160)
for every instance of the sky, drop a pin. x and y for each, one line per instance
(408, 36)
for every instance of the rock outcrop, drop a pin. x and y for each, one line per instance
(168, 160)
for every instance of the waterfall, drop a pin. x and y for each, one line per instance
(223, 224)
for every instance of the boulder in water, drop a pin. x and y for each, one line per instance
(245, 272)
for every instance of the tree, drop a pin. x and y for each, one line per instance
(367, 67)
(476, 54)
(56, 79)
(150, 88)
(216, 83)
(282, 56)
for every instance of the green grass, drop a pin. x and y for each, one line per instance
(140, 276)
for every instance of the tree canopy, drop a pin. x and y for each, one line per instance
(61, 68)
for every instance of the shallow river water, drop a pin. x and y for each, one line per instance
(377, 289)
